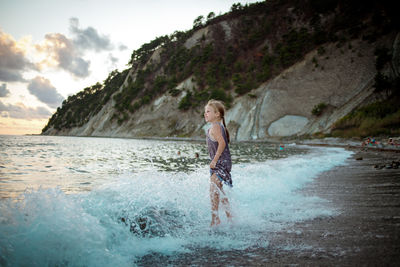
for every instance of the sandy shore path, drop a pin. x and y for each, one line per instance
(367, 230)
(365, 233)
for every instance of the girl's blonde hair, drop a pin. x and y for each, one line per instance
(219, 106)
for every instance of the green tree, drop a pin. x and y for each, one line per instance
(236, 7)
(198, 22)
(210, 16)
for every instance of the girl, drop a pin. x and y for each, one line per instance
(221, 164)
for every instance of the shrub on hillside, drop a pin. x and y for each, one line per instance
(318, 109)
(186, 101)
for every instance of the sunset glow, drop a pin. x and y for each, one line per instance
(21, 126)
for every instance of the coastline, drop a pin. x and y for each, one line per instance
(366, 232)
(349, 144)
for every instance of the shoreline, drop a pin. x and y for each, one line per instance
(355, 147)
(350, 143)
(366, 230)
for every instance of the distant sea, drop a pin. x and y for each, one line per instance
(82, 201)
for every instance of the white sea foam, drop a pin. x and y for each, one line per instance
(164, 212)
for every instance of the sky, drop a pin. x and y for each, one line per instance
(51, 49)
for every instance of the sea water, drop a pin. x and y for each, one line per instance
(71, 201)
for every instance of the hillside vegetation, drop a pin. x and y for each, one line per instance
(264, 39)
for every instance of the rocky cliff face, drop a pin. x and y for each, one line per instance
(340, 77)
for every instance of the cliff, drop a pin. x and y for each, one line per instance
(291, 72)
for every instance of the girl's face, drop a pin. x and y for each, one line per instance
(210, 115)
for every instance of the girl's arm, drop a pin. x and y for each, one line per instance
(217, 135)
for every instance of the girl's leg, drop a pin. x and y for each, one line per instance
(225, 203)
(215, 187)
(227, 206)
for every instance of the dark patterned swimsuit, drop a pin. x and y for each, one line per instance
(224, 165)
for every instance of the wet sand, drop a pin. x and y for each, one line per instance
(365, 233)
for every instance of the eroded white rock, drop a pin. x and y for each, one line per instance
(287, 125)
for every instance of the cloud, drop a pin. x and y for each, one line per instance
(12, 59)
(89, 38)
(45, 92)
(122, 47)
(61, 52)
(55, 51)
(112, 59)
(67, 53)
(111, 62)
(20, 111)
(3, 90)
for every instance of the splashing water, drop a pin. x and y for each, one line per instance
(158, 211)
